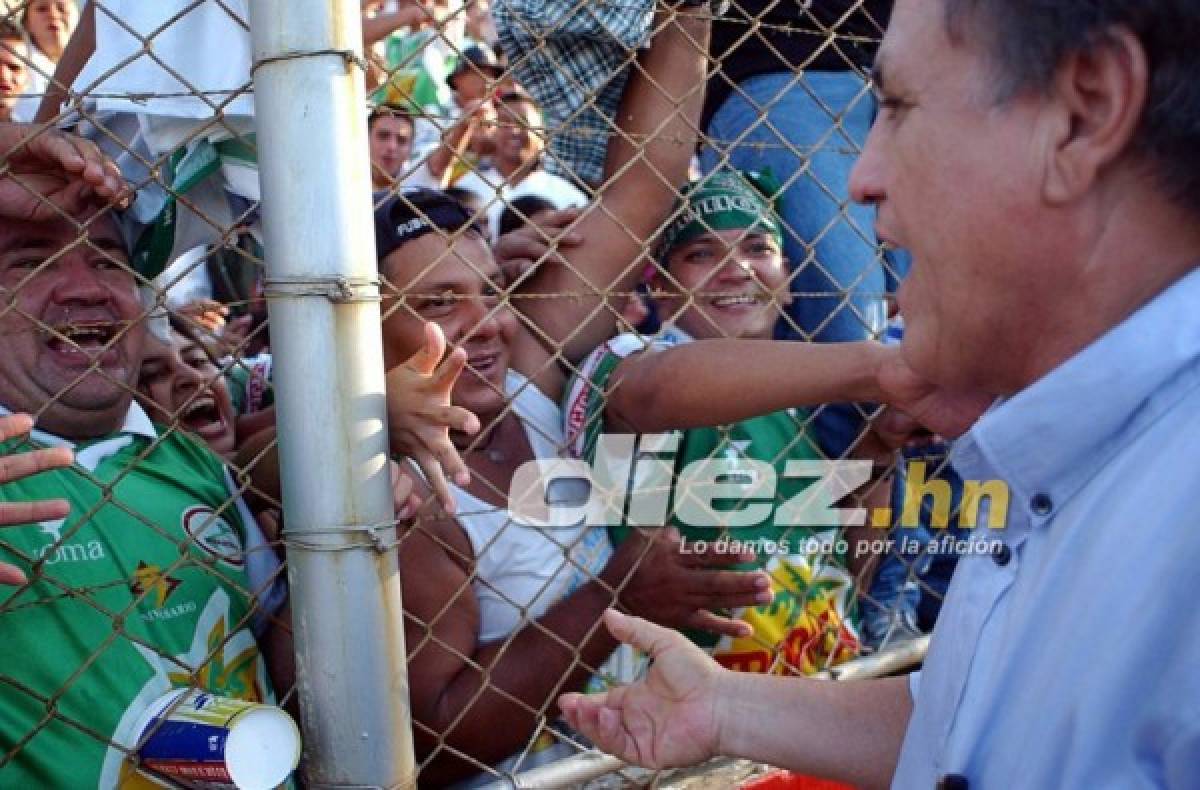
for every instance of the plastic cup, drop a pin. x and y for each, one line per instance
(193, 736)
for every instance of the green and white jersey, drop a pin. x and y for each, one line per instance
(155, 580)
(809, 626)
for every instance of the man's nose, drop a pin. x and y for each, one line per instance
(482, 321)
(866, 179)
(79, 283)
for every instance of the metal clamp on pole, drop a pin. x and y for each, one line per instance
(351, 57)
(338, 289)
(373, 536)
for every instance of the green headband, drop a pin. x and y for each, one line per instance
(724, 200)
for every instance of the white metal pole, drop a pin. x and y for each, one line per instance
(322, 289)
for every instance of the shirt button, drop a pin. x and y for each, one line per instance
(953, 782)
(1002, 555)
(1041, 504)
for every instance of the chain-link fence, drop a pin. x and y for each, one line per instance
(635, 222)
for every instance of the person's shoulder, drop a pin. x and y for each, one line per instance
(178, 454)
(586, 392)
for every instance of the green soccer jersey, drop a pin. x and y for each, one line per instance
(145, 586)
(415, 75)
(809, 624)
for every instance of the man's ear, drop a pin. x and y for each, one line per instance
(1101, 95)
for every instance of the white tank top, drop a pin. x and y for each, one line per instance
(521, 570)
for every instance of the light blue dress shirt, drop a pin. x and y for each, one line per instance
(1070, 658)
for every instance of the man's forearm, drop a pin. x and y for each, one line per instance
(522, 675)
(849, 731)
(730, 380)
(383, 25)
(647, 162)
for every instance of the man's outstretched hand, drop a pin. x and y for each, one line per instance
(48, 171)
(667, 719)
(421, 414)
(16, 466)
(948, 413)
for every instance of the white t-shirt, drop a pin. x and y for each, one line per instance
(497, 194)
(522, 570)
(186, 47)
(39, 71)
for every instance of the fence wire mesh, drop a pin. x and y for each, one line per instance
(625, 328)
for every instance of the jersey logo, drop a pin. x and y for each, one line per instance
(53, 529)
(56, 551)
(214, 535)
(151, 582)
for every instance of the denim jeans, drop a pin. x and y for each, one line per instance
(808, 129)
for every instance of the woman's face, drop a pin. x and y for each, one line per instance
(458, 287)
(730, 283)
(180, 384)
(50, 24)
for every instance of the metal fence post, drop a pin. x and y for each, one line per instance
(324, 313)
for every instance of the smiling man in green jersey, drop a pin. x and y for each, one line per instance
(158, 576)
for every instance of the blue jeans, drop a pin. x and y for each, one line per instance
(789, 123)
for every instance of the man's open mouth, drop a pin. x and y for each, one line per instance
(84, 342)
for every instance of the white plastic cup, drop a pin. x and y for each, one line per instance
(193, 736)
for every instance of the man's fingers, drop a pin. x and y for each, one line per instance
(710, 558)
(521, 245)
(425, 361)
(514, 269)
(729, 589)
(450, 368)
(21, 465)
(642, 634)
(11, 574)
(598, 718)
(405, 500)
(437, 479)
(459, 419)
(16, 513)
(561, 219)
(451, 462)
(409, 508)
(55, 148)
(704, 620)
(15, 425)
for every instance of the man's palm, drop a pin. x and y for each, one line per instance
(667, 719)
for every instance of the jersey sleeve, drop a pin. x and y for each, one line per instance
(588, 388)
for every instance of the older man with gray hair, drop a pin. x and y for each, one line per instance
(1038, 158)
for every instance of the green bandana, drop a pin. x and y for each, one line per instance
(723, 200)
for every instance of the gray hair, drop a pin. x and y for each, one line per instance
(1029, 39)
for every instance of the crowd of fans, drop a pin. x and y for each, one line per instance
(704, 288)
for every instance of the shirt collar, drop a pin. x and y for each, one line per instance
(137, 423)
(1052, 437)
